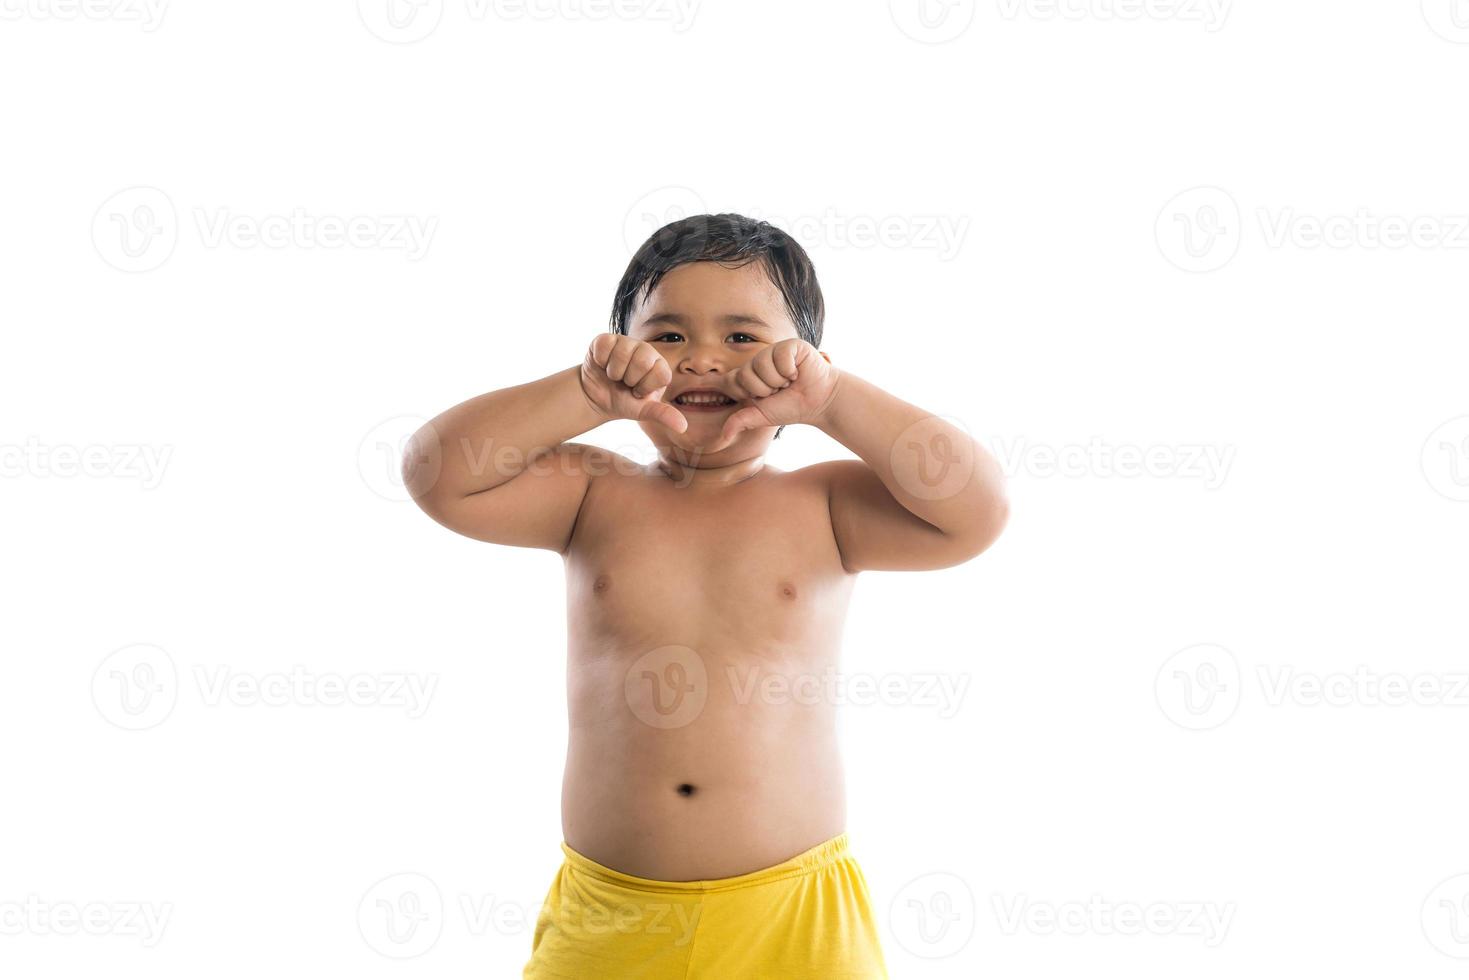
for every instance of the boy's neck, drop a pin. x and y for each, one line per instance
(691, 473)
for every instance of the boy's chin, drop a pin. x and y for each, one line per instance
(696, 441)
(701, 434)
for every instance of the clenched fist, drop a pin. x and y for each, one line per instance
(787, 382)
(625, 378)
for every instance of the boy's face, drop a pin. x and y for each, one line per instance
(708, 320)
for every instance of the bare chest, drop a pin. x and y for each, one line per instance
(663, 565)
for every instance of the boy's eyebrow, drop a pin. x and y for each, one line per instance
(729, 319)
(736, 319)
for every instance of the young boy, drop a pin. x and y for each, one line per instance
(703, 816)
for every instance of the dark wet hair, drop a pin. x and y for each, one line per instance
(733, 240)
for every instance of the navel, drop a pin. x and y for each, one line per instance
(685, 789)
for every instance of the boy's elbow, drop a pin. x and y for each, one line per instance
(990, 521)
(420, 467)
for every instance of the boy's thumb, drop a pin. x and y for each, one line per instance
(664, 413)
(748, 417)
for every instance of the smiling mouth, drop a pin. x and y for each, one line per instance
(704, 400)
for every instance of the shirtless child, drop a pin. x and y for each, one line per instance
(703, 819)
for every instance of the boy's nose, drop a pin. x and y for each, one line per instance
(701, 362)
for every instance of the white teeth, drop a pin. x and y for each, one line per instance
(704, 399)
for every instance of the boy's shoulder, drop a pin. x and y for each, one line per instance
(594, 461)
(834, 473)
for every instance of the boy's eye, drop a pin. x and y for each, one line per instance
(670, 338)
(742, 338)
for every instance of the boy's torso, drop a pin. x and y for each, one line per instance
(704, 630)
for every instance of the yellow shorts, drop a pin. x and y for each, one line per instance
(803, 919)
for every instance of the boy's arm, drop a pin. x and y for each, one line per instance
(498, 467)
(929, 496)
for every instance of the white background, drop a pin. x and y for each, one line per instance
(1138, 728)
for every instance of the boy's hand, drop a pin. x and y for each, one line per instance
(788, 382)
(625, 379)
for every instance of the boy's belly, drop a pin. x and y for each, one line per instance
(685, 765)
